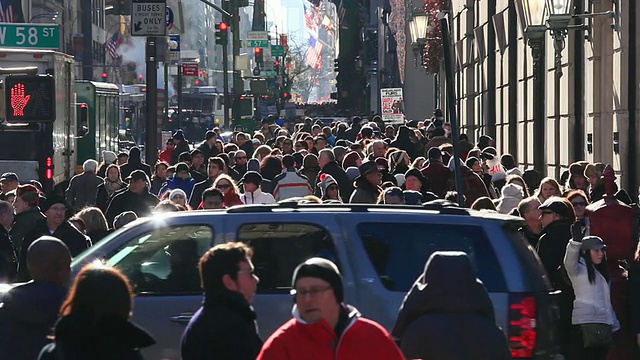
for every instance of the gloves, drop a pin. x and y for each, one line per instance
(576, 231)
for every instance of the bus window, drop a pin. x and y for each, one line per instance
(220, 101)
(82, 116)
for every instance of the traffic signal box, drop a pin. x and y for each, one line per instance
(30, 98)
(222, 33)
(259, 55)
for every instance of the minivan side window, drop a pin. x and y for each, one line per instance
(165, 260)
(279, 247)
(399, 251)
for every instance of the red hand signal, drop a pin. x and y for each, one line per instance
(18, 99)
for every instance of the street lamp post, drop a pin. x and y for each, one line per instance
(418, 26)
(52, 16)
(535, 30)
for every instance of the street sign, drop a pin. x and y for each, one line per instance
(255, 43)
(267, 73)
(174, 53)
(277, 50)
(44, 36)
(257, 35)
(148, 18)
(190, 69)
(169, 18)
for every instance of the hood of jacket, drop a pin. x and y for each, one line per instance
(134, 156)
(448, 285)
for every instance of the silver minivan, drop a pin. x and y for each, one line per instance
(380, 251)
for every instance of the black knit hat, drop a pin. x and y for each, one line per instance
(322, 269)
(52, 200)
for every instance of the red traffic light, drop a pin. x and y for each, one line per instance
(223, 26)
(105, 75)
(197, 82)
(257, 50)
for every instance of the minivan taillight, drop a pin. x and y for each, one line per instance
(522, 325)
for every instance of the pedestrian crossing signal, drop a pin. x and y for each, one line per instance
(30, 98)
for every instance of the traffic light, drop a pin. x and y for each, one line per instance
(30, 98)
(285, 95)
(105, 76)
(222, 33)
(259, 55)
(276, 66)
(336, 65)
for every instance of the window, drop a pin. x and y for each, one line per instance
(165, 261)
(280, 247)
(399, 251)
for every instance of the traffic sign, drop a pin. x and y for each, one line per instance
(268, 73)
(169, 18)
(45, 36)
(277, 50)
(190, 69)
(174, 53)
(148, 18)
(255, 43)
(30, 98)
(257, 35)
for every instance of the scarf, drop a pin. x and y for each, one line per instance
(112, 187)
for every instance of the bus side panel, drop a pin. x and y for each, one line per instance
(64, 127)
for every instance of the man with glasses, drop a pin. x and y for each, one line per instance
(240, 162)
(323, 325)
(55, 224)
(557, 216)
(215, 167)
(136, 198)
(225, 325)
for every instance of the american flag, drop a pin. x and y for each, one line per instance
(113, 44)
(314, 53)
(310, 17)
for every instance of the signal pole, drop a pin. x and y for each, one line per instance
(238, 84)
(151, 138)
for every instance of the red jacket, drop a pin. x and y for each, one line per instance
(361, 339)
(165, 155)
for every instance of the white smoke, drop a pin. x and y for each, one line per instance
(134, 52)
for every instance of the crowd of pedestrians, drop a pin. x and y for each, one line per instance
(364, 161)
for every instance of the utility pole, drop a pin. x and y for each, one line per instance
(179, 94)
(151, 144)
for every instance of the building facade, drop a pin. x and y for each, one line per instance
(587, 108)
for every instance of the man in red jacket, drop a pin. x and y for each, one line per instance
(323, 327)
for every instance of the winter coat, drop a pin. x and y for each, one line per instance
(134, 163)
(208, 150)
(511, 196)
(403, 142)
(257, 197)
(82, 190)
(223, 328)
(22, 224)
(634, 296)
(179, 149)
(593, 301)
(361, 339)
(8, 260)
(289, 184)
(337, 172)
(176, 182)
(76, 241)
(199, 174)
(438, 176)
(365, 193)
(551, 248)
(196, 195)
(107, 339)
(27, 317)
(103, 198)
(156, 184)
(129, 201)
(448, 315)
(473, 187)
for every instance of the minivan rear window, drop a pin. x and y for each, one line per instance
(399, 251)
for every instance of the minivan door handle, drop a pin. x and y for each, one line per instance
(185, 317)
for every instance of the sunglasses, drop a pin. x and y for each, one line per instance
(579, 203)
(223, 186)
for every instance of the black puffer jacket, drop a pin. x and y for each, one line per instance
(107, 339)
(448, 315)
(134, 163)
(551, 249)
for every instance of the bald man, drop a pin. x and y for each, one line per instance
(30, 310)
